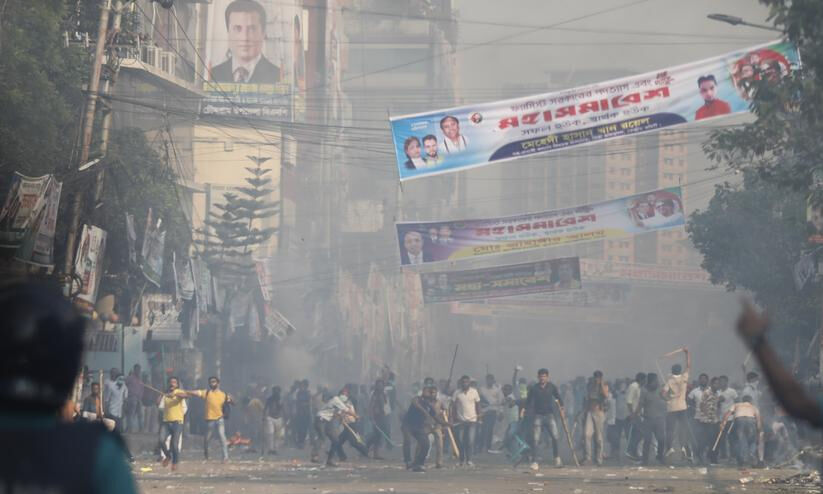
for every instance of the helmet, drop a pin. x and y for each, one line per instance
(42, 348)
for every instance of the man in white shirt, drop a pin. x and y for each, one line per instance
(465, 413)
(752, 388)
(338, 407)
(727, 398)
(453, 141)
(636, 425)
(492, 395)
(677, 418)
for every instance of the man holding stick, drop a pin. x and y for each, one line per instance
(421, 416)
(540, 413)
(674, 391)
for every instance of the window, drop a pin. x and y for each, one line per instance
(668, 161)
(624, 258)
(626, 172)
(667, 248)
(625, 186)
(681, 162)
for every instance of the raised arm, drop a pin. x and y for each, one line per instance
(752, 328)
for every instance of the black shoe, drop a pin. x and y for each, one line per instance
(331, 464)
(632, 456)
(418, 468)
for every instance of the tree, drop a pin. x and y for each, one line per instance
(137, 178)
(752, 234)
(40, 87)
(232, 235)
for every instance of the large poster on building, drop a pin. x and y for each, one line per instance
(469, 136)
(254, 57)
(88, 264)
(432, 241)
(501, 281)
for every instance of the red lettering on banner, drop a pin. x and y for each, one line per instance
(508, 122)
(529, 118)
(588, 217)
(590, 106)
(618, 101)
(661, 92)
(566, 221)
(565, 111)
(482, 232)
(498, 230)
(542, 224)
(523, 227)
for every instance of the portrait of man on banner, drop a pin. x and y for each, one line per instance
(246, 32)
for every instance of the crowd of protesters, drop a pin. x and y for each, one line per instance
(676, 418)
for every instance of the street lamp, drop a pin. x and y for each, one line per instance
(738, 21)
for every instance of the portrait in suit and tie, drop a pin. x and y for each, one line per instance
(246, 26)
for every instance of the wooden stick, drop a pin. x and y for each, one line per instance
(674, 352)
(354, 433)
(566, 430)
(452, 441)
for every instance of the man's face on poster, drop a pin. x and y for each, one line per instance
(246, 35)
(708, 90)
(451, 128)
(666, 208)
(746, 72)
(413, 242)
(431, 147)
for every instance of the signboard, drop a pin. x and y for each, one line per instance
(608, 270)
(37, 245)
(255, 54)
(276, 323)
(20, 207)
(501, 281)
(433, 241)
(470, 136)
(160, 315)
(88, 263)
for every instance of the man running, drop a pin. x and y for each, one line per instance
(539, 412)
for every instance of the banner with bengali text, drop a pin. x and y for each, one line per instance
(552, 275)
(433, 241)
(465, 137)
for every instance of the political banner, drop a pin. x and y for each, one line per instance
(88, 264)
(433, 241)
(470, 136)
(255, 55)
(154, 242)
(37, 245)
(23, 201)
(501, 281)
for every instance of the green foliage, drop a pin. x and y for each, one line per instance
(231, 235)
(40, 87)
(752, 234)
(138, 178)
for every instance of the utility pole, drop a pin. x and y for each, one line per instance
(88, 125)
(88, 119)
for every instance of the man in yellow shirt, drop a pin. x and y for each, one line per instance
(215, 399)
(173, 403)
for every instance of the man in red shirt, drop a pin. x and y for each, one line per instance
(712, 106)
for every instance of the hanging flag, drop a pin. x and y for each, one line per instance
(460, 138)
(88, 263)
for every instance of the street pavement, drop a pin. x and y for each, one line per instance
(291, 473)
